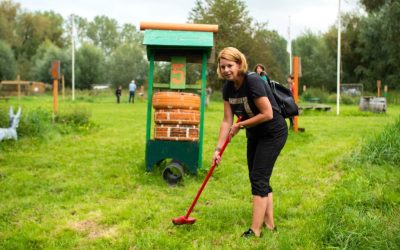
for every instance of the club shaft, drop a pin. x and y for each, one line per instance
(228, 139)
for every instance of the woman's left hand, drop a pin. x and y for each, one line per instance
(234, 130)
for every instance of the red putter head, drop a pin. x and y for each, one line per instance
(182, 220)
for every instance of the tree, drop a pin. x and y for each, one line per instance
(8, 14)
(269, 48)
(103, 32)
(46, 54)
(129, 35)
(379, 39)
(318, 69)
(7, 62)
(126, 63)
(90, 66)
(234, 25)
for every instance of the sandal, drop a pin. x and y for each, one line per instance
(250, 233)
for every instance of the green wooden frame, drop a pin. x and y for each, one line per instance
(164, 45)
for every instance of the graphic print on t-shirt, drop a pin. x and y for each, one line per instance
(241, 102)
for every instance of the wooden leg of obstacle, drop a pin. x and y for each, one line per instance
(55, 98)
(63, 88)
(378, 83)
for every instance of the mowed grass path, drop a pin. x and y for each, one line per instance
(91, 191)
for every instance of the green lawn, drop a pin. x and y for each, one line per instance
(89, 190)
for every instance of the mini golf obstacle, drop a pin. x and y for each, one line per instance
(178, 120)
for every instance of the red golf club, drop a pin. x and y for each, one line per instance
(181, 220)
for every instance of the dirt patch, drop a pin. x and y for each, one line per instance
(93, 230)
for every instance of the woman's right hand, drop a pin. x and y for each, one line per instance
(216, 158)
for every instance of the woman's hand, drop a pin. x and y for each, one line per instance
(234, 129)
(216, 158)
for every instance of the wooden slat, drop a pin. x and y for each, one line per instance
(178, 26)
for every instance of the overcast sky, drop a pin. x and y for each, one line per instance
(314, 15)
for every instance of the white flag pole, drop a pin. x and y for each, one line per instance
(73, 57)
(289, 50)
(338, 65)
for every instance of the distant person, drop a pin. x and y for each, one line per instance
(132, 89)
(290, 84)
(118, 93)
(208, 95)
(260, 69)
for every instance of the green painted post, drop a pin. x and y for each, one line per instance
(203, 101)
(149, 96)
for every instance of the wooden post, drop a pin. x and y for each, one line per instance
(63, 88)
(296, 90)
(18, 87)
(55, 74)
(378, 83)
(385, 90)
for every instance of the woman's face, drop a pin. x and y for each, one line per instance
(259, 70)
(229, 69)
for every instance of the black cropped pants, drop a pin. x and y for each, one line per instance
(261, 156)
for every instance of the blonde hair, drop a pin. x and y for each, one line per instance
(234, 55)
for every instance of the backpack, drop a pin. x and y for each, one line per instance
(284, 98)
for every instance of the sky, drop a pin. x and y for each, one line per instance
(313, 15)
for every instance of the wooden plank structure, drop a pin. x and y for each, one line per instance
(178, 44)
(19, 87)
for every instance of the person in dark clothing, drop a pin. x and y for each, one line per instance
(246, 95)
(118, 93)
(290, 84)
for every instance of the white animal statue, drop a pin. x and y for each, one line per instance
(11, 132)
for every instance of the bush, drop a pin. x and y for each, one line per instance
(315, 93)
(76, 119)
(384, 148)
(34, 123)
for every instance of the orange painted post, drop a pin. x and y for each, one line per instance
(378, 83)
(55, 96)
(296, 90)
(55, 74)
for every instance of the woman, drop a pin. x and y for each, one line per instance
(246, 95)
(260, 69)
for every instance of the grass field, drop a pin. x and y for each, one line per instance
(88, 188)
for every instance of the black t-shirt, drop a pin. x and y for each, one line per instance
(242, 104)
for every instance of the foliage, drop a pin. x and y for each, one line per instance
(315, 93)
(379, 49)
(43, 59)
(7, 62)
(369, 44)
(126, 63)
(317, 71)
(359, 213)
(384, 148)
(8, 14)
(34, 122)
(103, 31)
(234, 26)
(90, 69)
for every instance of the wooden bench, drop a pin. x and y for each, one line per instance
(312, 99)
(320, 107)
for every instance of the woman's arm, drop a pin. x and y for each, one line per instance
(266, 113)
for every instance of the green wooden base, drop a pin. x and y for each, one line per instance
(185, 152)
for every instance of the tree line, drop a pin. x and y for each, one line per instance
(108, 52)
